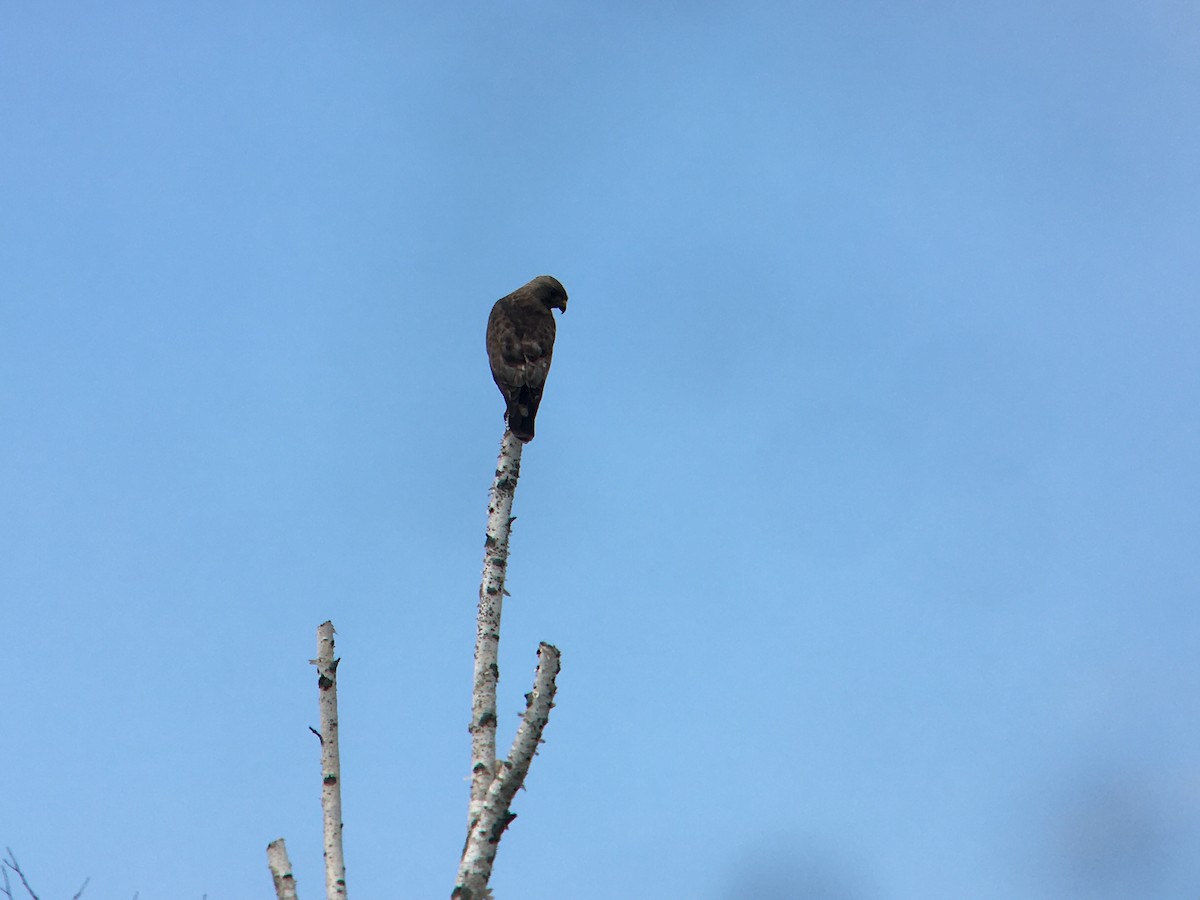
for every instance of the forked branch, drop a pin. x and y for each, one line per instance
(495, 783)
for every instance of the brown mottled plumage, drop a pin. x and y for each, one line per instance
(520, 342)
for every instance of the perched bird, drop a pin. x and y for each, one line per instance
(520, 342)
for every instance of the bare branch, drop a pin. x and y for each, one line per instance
(281, 870)
(483, 840)
(538, 704)
(487, 635)
(12, 863)
(331, 766)
(493, 783)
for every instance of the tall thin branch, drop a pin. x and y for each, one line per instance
(331, 766)
(493, 783)
(281, 870)
(487, 634)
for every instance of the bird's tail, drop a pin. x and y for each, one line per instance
(522, 410)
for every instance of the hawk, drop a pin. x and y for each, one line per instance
(520, 341)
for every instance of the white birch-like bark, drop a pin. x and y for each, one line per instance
(331, 767)
(487, 633)
(483, 839)
(493, 783)
(281, 870)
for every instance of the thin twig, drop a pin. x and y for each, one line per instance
(12, 863)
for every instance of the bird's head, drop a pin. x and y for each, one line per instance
(549, 291)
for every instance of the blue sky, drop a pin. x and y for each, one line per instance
(866, 489)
